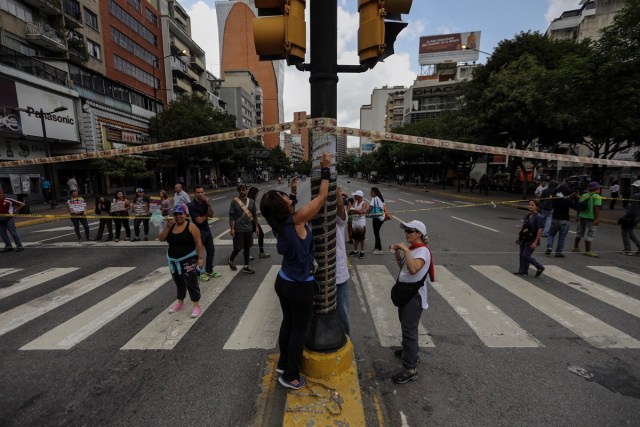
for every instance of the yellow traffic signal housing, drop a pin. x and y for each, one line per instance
(380, 24)
(282, 34)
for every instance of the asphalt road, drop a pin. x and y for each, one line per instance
(560, 366)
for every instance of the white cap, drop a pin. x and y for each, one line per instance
(417, 225)
(636, 183)
(358, 193)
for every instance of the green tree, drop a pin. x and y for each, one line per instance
(192, 116)
(122, 167)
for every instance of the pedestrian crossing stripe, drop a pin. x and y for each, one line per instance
(166, 330)
(604, 294)
(18, 316)
(618, 273)
(592, 330)
(259, 324)
(92, 319)
(8, 271)
(35, 280)
(490, 324)
(377, 282)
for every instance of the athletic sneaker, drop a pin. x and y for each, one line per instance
(575, 250)
(559, 255)
(215, 274)
(548, 251)
(264, 255)
(204, 277)
(146, 239)
(361, 255)
(280, 370)
(251, 258)
(592, 254)
(405, 376)
(353, 253)
(377, 252)
(294, 384)
(176, 307)
(247, 269)
(135, 239)
(232, 265)
(197, 311)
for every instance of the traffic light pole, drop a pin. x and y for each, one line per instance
(325, 333)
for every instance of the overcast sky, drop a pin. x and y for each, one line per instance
(495, 19)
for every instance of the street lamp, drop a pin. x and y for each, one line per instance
(156, 63)
(465, 47)
(46, 144)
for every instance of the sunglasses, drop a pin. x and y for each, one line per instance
(409, 230)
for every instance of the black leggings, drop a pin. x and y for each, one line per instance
(377, 224)
(187, 280)
(260, 239)
(124, 222)
(296, 302)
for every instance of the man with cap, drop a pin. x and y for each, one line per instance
(359, 223)
(588, 218)
(141, 212)
(632, 211)
(200, 210)
(409, 293)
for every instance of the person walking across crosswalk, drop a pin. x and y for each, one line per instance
(186, 258)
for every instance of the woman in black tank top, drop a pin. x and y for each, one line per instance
(186, 257)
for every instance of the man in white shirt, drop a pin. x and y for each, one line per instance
(181, 197)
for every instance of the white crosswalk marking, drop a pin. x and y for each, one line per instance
(88, 322)
(260, 323)
(8, 271)
(34, 280)
(618, 273)
(377, 283)
(611, 297)
(22, 314)
(589, 328)
(166, 330)
(492, 326)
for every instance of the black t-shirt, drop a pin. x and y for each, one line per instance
(199, 209)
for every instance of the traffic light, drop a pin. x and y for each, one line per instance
(281, 32)
(380, 24)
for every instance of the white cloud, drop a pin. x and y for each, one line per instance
(556, 7)
(204, 31)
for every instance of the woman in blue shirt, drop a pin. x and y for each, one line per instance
(294, 284)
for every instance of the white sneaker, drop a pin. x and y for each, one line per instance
(377, 252)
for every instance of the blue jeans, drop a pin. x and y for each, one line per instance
(207, 243)
(561, 226)
(76, 226)
(9, 226)
(342, 305)
(548, 217)
(526, 258)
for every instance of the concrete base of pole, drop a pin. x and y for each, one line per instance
(326, 333)
(331, 396)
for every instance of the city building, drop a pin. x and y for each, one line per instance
(237, 51)
(293, 148)
(304, 133)
(242, 94)
(395, 110)
(374, 115)
(586, 22)
(341, 147)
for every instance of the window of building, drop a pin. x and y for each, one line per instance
(18, 45)
(17, 9)
(90, 18)
(121, 39)
(94, 49)
(131, 22)
(151, 17)
(130, 69)
(134, 3)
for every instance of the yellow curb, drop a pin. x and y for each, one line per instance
(266, 398)
(333, 399)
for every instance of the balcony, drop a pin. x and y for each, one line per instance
(77, 51)
(197, 86)
(46, 7)
(27, 64)
(72, 13)
(43, 35)
(181, 86)
(197, 63)
(192, 74)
